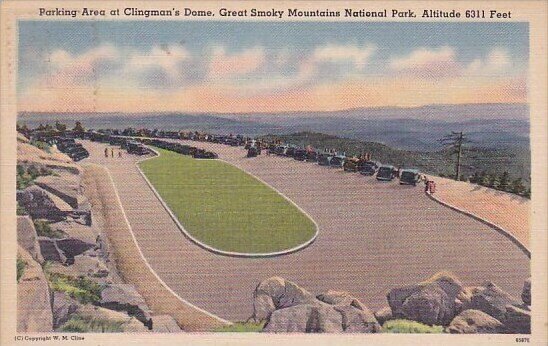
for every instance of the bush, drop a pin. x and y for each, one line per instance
(43, 229)
(21, 265)
(21, 210)
(81, 288)
(83, 324)
(26, 175)
(242, 327)
(409, 327)
(41, 145)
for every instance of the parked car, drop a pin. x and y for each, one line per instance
(253, 151)
(369, 167)
(351, 164)
(300, 155)
(337, 161)
(409, 177)
(324, 159)
(290, 151)
(386, 173)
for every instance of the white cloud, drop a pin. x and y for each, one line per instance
(425, 60)
(334, 53)
(223, 64)
(166, 58)
(497, 62)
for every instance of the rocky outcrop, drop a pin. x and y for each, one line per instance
(433, 302)
(65, 186)
(72, 247)
(384, 314)
(277, 293)
(517, 320)
(34, 312)
(124, 297)
(286, 307)
(526, 293)
(76, 230)
(50, 251)
(129, 324)
(492, 300)
(41, 204)
(63, 307)
(474, 322)
(84, 265)
(356, 317)
(305, 318)
(27, 238)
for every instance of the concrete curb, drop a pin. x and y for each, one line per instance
(496, 227)
(222, 252)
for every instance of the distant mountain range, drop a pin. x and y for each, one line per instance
(487, 125)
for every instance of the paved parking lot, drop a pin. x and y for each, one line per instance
(373, 236)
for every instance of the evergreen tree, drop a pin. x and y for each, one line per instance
(78, 128)
(475, 178)
(60, 127)
(484, 179)
(493, 181)
(504, 181)
(517, 186)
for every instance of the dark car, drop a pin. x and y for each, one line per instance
(204, 154)
(290, 151)
(409, 177)
(369, 168)
(253, 151)
(386, 173)
(300, 155)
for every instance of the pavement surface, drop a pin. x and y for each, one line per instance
(373, 236)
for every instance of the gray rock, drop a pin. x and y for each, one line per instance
(277, 293)
(90, 266)
(165, 324)
(517, 320)
(492, 300)
(355, 320)
(430, 302)
(305, 318)
(384, 314)
(73, 247)
(526, 293)
(50, 251)
(63, 307)
(356, 317)
(128, 323)
(76, 230)
(65, 186)
(474, 322)
(27, 237)
(34, 312)
(41, 204)
(124, 297)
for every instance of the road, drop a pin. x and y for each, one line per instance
(373, 236)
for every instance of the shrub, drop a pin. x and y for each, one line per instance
(81, 288)
(409, 327)
(84, 324)
(21, 210)
(43, 229)
(21, 265)
(242, 327)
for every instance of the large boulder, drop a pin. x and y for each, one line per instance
(492, 300)
(63, 307)
(73, 247)
(65, 186)
(384, 314)
(50, 251)
(277, 293)
(165, 324)
(526, 293)
(27, 237)
(34, 312)
(305, 318)
(517, 320)
(124, 297)
(90, 266)
(433, 302)
(356, 317)
(474, 322)
(41, 204)
(76, 230)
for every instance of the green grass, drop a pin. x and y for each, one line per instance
(226, 208)
(21, 265)
(407, 326)
(80, 288)
(84, 324)
(43, 229)
(242, 327)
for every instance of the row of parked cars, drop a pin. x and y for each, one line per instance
(363, 165)
(69, 146)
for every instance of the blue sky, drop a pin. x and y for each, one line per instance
(266, 64)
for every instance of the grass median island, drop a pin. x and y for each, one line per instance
(226, 208)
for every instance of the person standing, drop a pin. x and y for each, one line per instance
(111, 152)
(106, 152)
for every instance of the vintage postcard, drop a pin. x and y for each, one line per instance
(292, 172)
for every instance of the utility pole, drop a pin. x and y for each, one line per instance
(459, 154)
